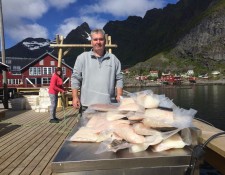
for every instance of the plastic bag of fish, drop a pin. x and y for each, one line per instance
(140, 121)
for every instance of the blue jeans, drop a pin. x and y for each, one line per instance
(54, 101)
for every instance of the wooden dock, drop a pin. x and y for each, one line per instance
(28, 142)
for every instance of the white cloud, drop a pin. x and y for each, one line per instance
(32, 30)
(29, 9)
(68, 25)
(122, 8)
(94, 21)
(61, 4)
(19, 18)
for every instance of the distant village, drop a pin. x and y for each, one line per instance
(174, 79)
(27, 72)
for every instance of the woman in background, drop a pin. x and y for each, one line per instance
(54, 88)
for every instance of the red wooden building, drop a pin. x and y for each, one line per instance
(171, 79)
(36, 73)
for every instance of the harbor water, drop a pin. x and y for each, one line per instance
(208, 100)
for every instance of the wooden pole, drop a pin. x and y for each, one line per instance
(79, 45)
(110, 42)
(60, 53)
(59, 41)
(5, 89)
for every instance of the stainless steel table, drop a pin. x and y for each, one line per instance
(80, 159)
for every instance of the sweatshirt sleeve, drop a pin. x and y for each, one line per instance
(76, 76)
(119, 75)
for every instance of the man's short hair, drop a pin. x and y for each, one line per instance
(98, 31)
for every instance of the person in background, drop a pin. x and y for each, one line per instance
(54, 88)
(97, 73)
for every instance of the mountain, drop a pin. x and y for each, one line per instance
(160, 30)
(29, 48)
(205, 43)
(80, 35)
(186, 35)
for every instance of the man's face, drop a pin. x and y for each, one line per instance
(98, 42)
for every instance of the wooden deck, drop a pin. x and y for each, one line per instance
(28, 142)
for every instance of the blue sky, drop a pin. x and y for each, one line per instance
(46, 18)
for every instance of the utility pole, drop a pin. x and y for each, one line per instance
(5, 89)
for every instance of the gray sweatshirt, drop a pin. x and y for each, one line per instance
(97, 78)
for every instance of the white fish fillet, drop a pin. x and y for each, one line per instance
(157, 123)
(109, 134)
(126, 100)
(158, 118)
(147, 100)
(141, 129)
(130, 107)
(149, 140)
(100, 123)
(135, 116)
(138, 147)
(159, 113)
(96, 121)
(126, 132)
(103, 107)
(114, 116)
(85, 134)
(174, 141)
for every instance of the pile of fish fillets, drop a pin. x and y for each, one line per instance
(140, 121)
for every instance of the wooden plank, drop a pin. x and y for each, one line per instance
(24, 129)
(51, 151)
(33, 145)
(37, 155)
(20, 151)
(27, 89)
(2, 113)
(216, 160)
(216, 144)
(215, 150)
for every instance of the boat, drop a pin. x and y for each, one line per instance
(192, 79)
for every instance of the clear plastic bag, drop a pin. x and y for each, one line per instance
(128, 104)
(146, 99)
(183, 118)
(112, 145)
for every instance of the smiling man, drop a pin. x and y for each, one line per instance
(97, 74)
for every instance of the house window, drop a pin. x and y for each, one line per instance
(52, 63)
(8, 61)
(35, 71)
(14, 81)
(39, 70)
(16, 68)
(41, 62)
(46, 80)
(47, 70)
(16, 73)
(63, 70)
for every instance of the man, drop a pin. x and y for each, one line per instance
(97, 73)
(54, 88)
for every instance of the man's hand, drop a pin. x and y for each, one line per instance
(118, 98)
(119, 92)
(76, 103)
